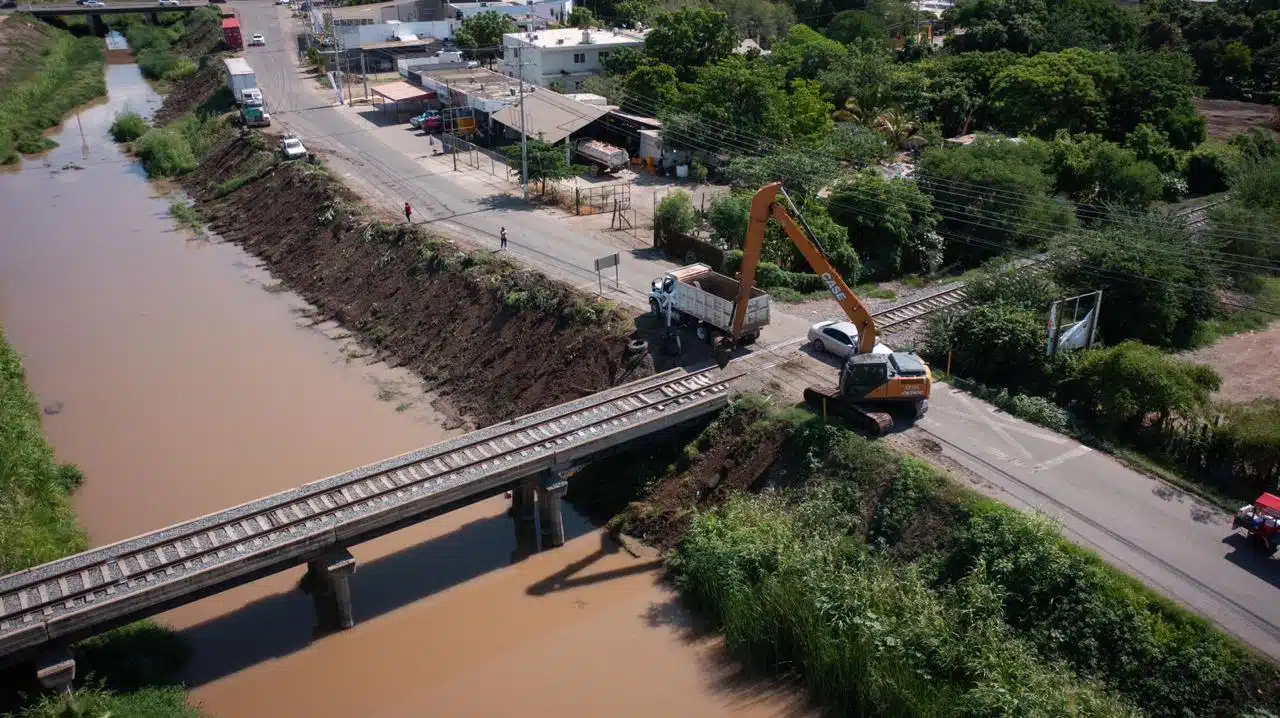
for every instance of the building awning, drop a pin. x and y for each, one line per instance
(401, 91)
(406, 43)
(649, 122)
(551, 116)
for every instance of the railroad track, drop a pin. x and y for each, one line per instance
(324, 512)
(903, 315)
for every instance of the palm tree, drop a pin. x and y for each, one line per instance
(851, 112)
(897, 127)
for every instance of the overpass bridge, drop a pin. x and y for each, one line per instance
(45, 609)
(111, 8)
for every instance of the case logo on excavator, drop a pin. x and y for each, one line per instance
(835, 288)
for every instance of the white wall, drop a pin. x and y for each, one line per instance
(546, 64)
(554, 10)
(360, 35)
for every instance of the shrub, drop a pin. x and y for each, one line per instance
(993, 343)
(1123, 384)
(1210, 167)
(128, 126)
(165, 153)
(675, 213)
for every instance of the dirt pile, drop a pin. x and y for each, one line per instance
(739, 452)
(205, 91)
(496, 340)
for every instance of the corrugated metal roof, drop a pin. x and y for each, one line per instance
(551, 116)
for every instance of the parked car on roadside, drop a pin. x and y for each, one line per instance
(429, 121)
(838, 338)
(291, 147)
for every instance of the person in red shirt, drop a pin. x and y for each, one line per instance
(408, 213)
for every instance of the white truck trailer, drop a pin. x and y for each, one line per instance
(702, 299)
(605, 156)
(240, 77)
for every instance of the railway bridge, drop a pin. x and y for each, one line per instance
(45, 609)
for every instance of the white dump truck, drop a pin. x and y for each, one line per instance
(603, 155)
(702, 299)
(240, 77)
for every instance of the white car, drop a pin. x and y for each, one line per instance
(170, 3)
(257, 39)
(839, 338)
(291, 147)
(282, 2)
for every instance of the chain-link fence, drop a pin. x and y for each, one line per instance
(473, 156)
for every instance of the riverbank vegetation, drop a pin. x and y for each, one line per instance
(131, 670)
(46, 73)
(889, 590)
(173, 48)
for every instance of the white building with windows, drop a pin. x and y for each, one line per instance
(567, 56)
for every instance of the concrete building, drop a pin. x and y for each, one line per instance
(567, 56)
(549, 10)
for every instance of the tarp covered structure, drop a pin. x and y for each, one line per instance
(401, 91)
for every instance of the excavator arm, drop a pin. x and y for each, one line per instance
(765, 205)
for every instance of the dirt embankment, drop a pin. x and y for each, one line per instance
(195, 94)
(497, 341)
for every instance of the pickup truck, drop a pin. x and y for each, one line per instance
(702, 299)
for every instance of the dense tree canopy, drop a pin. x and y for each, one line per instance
(482, 33)
(691, 38)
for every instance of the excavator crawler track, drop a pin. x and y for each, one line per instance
(825, 401)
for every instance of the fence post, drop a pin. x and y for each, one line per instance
(577, 200)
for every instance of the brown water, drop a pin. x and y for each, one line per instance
(181, 386)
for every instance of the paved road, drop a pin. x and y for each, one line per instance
(454, 202)
(1175, 544)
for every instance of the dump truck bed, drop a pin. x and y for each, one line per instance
(709, 296)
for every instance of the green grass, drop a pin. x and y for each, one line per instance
(186, 215)
(128, 126)
(891, 591)
(37, 523)
(177, 149)
(155, 702)
(52, 73)
(1266, 295)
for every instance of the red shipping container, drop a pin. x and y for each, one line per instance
(231, 33)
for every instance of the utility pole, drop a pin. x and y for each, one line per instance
(524, 136)
(453, 145)
(364, 72)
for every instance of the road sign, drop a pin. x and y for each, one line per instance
(604, 263)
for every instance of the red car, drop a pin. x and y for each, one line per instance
(1261, 520)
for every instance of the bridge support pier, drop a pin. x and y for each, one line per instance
(98, 24)
(56, 670)
(523, 499)
(551, 490)
(330, 589)
(153, 18)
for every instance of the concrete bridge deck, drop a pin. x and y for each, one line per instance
(46, 608)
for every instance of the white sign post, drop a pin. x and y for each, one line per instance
(604, 263)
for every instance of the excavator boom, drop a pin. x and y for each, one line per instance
(765, 205)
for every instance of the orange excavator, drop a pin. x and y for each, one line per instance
(873, 379)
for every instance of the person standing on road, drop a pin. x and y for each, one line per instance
(502, 238)
(408, 213)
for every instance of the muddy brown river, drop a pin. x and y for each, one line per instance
(180, 378)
